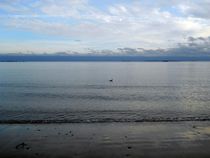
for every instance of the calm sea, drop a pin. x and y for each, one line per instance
(50, 92)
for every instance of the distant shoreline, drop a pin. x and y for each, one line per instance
(100, 58)
(106, 61)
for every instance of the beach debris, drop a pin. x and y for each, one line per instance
(27, 148)
(127, 155)
(37, 154)
(22, 146)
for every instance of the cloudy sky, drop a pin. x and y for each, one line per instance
(105, 26)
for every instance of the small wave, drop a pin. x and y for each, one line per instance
(107, 120)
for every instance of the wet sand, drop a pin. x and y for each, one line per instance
(106, 140)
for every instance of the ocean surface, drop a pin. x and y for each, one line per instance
(75, 92)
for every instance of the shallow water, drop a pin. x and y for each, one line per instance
(107, 140)
(81, 92)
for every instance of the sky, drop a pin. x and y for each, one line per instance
(148, 27)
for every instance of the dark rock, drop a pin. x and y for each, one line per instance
(22, 146)
(127, 155)
(37, 154)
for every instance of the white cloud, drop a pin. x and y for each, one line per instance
(134, 24)
(199, 9)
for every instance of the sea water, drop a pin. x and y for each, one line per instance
(51, 92)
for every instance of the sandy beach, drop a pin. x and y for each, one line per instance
(178, 139)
